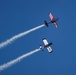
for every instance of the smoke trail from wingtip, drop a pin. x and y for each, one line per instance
(5, 43)
(11, 63)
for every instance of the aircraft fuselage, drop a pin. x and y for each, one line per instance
(48, 45)
(54, 20)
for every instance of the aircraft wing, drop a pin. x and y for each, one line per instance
(55, 23)
(51, 16)
(45, 41)
(49, 49)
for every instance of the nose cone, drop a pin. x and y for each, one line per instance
(50, 43)
(57, 18)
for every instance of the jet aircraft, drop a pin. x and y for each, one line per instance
(47, 45)
(52, 20)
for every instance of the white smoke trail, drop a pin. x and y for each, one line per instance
(5, 43)
(9, 64)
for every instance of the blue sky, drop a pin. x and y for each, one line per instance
(20, 15)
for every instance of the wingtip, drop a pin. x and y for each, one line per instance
(50, 13)
(51, 52)
(43, 38)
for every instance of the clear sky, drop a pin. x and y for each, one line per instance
(17, 16)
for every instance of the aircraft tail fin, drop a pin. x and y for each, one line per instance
(46, 23)
(50, 43)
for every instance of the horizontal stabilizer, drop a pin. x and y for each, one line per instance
(46, 23)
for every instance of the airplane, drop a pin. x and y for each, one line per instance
(52, 20)
(47, 45)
